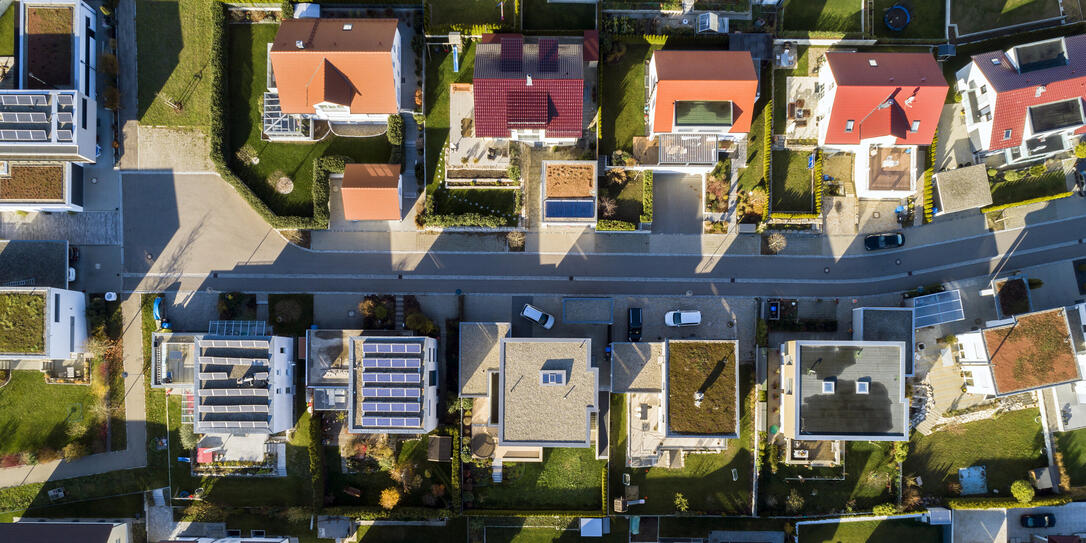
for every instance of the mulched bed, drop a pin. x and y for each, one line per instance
(33, 183)
(49, 47)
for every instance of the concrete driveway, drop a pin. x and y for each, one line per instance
(1070, 519)
(980, 526)
(953, 147)
(677, 204)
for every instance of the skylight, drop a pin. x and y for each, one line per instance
(1057, 115)
(551, 377)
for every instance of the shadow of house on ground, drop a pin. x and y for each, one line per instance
(166, 53)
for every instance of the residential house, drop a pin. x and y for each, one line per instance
(667, 422)
(702, 92)
(834, 391)
(886, 324)
(255, 536)
(372, 192)
(52, 321)
(529, 89)
(342, 71)
(50, 531)
(1023, 353)
(881, 107)
(530, 394)
(48, 110)
(387, 384)
(1026, 103)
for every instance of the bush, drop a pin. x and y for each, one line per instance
(613, 225)
(187, 436)
(761, 334)
(647, 212)
(1037, 200)
(1006, 503)
(316, 461)
(884, 509)
(794, 502)
(1037, 170)
(1022, 491)
(682, 505)
(1080, 149)
(513, 172)
(390, 497)
(395, 130)
(286, 10)
(901, 451)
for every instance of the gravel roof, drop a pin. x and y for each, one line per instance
(963, 188)
(637, 367)
(479, 353)
(547, 415)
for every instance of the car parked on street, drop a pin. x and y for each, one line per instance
(1038, 520)
(538, 316)
(682, 317)
(888, 240)
(633, 324)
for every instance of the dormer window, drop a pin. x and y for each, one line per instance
(828, 386)
(552, 377)
(873, 63)
(916, 125)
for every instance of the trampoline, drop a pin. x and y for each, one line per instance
(897, 18)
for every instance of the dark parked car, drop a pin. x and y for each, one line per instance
(1039, 520)
(633, 324)
(889, 240)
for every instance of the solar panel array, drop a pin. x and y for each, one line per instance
(391, 363)
(548, 55)
(382, 392)
(24, 99)
(237, 328)
(401, 378)
(391, 407)
(25, 117)
(24, 135)
(396, 348)
(392, 422)
(234, 344)
(65, 99)
(938, 308)
(512, 54)
(569, 209)
(234, 392)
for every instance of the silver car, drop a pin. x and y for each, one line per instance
(538, 316)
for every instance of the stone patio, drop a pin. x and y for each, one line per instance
(800, 108)
(465, 150)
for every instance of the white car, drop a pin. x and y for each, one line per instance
(538, 316)
(682, 317)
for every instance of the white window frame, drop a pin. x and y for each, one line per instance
(552, 377)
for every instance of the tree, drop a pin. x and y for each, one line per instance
(287, 10)
(112, 99)
(390, 497)
(901, 451)
(776, 242)
(1022, 491)
(188, 437)
(608, 207)
(395, 129)
(681, 503)
(794, 502)
(1080, 149)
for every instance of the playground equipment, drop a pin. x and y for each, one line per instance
(897, 18)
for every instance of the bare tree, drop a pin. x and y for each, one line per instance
(776, 242)
(608, 207)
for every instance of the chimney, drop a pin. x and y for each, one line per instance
(300, 44)
(348, 26)
(1040, 90)
(529, 83)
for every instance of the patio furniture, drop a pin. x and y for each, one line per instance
(791, 110)
(799, 102)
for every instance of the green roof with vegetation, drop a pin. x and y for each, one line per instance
(706, 367)
(22, 322)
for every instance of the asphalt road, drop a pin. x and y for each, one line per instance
(295, 269)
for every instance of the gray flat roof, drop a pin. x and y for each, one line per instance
(328, 357)
(844, 412)
(963, 188)
(637, 367)
(479, 353)
(890, 324)
(547, 415)
(34, 263)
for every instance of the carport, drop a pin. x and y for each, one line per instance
(677, 204)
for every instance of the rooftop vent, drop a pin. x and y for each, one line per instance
(874, 63)
(828, 386)
(299, 44)
(863, 387)
(529, 82)
(996, 61)
(347, 26)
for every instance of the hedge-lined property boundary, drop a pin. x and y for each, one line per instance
(819, 184)
(615, 226)
(220, 138)
(785, 215)
(1006, 503)
(647, 212)
(767, 146)
(929, 197)
(1037, 200)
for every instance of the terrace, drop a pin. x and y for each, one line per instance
(1034, 352)
(49, 47)
(801, 96)
(469, 157)
(892, 169)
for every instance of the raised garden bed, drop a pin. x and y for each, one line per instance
(717, 186)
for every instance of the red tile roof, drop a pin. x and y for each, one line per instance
(707, 76)
(1016, 92)
(912, 83)
(336, 65)
(371, 192)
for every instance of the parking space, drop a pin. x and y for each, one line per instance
(98, 269)
(1070, 519)
(677, 204)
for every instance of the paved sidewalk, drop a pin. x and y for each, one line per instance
(135, 411)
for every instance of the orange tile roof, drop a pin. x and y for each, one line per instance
(341, 61)
(708, 76)
(371, 192)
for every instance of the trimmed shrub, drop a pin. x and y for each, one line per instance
(1080, 149)
(647, 212)
(1037, 200)
(1023, 491)
(884, 509)
(316, 461)
(929, 197)
(614, 225)
(395, 130)
(286, 9)
(1007, 502)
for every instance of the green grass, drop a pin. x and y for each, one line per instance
(291, 314)
(928, 20)
(1008, 445)
(566, 479)
(752, 174)
(1009, 192)
(37, 415)
(980, 15)
(173, 40)
(780, 88)
(453, 530)
(503, 202)
(628, 197)
(697, 527)
(444, 13)
(792, 186)
(247, 62)
(859, 532)
(541, 15)
(705, 479)
(822, 15)
(104, 319)
(623, 97)
(7, 31)
(22, 323)
(707, 368)
(868, 470)
(1073, 447)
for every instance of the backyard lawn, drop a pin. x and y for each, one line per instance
(868, 471)
(623, 96)
(859, 532)
(454, 530)
(248, 59)
(780, 88)
(57, 411)
(531, 532)
(445, 13)
(1009, 192)
(792, 189)
(752, 174)
(627, 197)
(7, 31)
(979, 15)
(1008, 445)
(542, 15)
(822, 15)
(567, 479)
(291, 314)
(1073, 447)
(173, 40)
(371, 479)
(705, 479)
(928, 19)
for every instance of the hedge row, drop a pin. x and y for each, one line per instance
(316, 460)
(219, 138)
(614, 225)
(466, 219)
(933, 148)
(1006, 503)
(819, 184)
(647, 212)
(377, 513)
(454, 479)
(786, 216)
(655, 39)
(603, 491)
(1037, 200)
(526, 513)
(767, 145)
(929, 197)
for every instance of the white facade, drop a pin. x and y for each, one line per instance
(65, 324)
(973, 357)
